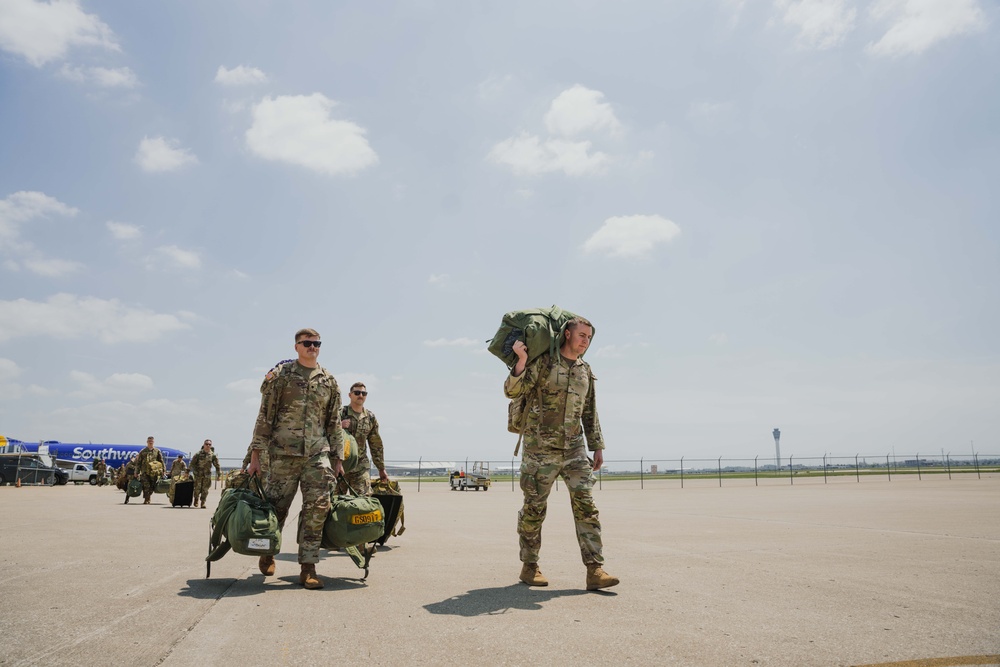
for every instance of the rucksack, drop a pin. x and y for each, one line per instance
(389, 492)
(541, 329)
(245, 522)
(152, 468)
(350, 451)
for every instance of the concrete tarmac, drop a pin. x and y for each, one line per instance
(878, 572)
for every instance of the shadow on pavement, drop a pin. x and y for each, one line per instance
(485, 601)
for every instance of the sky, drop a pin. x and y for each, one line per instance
(777, 213)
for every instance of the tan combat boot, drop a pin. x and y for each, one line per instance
(531, 575)
(597, 578)
(308, 576)
(266, 565)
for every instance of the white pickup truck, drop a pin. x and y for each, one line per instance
(81, 473)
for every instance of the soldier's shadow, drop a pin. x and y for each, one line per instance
(488, 601)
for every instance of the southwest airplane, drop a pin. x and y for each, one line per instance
(115, 456)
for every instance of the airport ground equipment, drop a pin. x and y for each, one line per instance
(81, 472)
(478, 478)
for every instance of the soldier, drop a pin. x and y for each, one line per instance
(201, 468)
(178, 467)
(360, 422)
(562, 409)
(101, 469)
(149, 467)
(299, 427)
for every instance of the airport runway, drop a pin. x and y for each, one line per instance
(835, 574)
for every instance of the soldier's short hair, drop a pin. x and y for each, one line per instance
(577, 321)
(357, 384)
(305, 333)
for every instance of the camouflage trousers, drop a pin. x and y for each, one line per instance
(148, 486)
(315, 477)
(359, 479)
(202, 483)
(540, 467)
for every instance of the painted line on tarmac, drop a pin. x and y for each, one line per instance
(963, 661)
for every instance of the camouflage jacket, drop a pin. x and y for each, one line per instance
(177, 468)
(299, 413)
(562, 406)
(364, 428)
(201, 464)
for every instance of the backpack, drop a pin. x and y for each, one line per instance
(152, 468)
(541, 329)
(390, 495)
(350, 450)
(245, 522)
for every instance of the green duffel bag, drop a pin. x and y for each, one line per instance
(245, 522)
(353, 520)
(350, 450)
(134, 488)
(541, 329)
(162, 486)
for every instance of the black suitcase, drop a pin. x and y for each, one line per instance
(183, 494)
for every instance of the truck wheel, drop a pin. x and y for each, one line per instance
(93, 480)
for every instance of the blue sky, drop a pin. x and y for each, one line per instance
(776, 213)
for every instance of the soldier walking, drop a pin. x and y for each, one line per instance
(361, 423)
(201, 468)
(299, 427)
(562, 410)
(149, 467)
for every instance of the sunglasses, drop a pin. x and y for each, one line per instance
(310, 343)
(359, 393)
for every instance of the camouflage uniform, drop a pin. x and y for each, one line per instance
(102, 470)
(364, 428)
(201, 468)
(299, 428)
(562, 409)
(177, 468)
(148, 481)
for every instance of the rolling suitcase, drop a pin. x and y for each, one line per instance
(183, 494)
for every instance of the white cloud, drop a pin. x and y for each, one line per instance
(22, 207)
(454, 342)
(919, 24)
(179, 258)
(66, 316)
(160, 154)
(241, 75)
(298, 129)
(527, 155)
(123, 231)
(245, 386)
(121, 77)
(239, 275)
(27, 205)
(45, 31)
(493, 86)
(631, 235)
(51, 268)
(719, 338)
(9, 373)
(573, 112)
(821, 24)
(118, 384)
(578, 110)
(440, 279)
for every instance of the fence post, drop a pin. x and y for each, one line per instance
(947, 461)
(857, 469)
(918, 467)
(887, 467)
(824, 467)
(755, 470)
(975, 460)
(720, 472)
(682, 472)
(420, 462)
(640, 474)
(791, 480)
